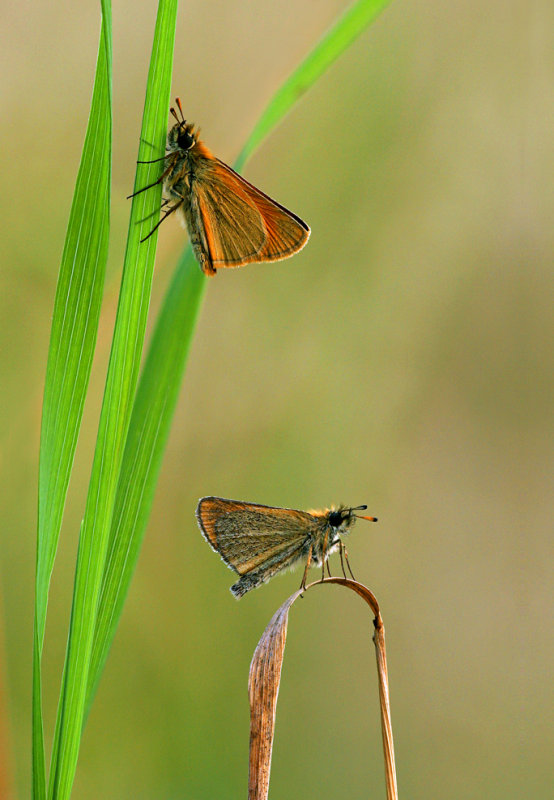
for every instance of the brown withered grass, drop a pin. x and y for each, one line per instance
(263, 689)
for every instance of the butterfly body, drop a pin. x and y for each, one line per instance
(229, 221)
(258, 541)
(187, 159)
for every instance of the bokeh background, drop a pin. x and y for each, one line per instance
(403, 360)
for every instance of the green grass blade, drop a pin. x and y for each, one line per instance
(340, 36)
(165, 364)
(152, 413)
(118, 400)
(72, 343)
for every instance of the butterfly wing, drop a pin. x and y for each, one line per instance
(285, 232)
(240, 223)
(254, 540)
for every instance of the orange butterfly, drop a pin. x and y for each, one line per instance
(259, 541)
(230, 223)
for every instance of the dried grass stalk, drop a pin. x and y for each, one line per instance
(265, 678)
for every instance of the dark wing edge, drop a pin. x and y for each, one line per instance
(200, 520)
(266, 196)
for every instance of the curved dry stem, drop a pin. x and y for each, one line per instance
(265, 678)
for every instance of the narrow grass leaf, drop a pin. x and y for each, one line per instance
(340, 36)
(72, 343)
(165, 364)
(152, 413)
(119, 395)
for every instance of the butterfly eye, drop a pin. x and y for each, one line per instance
(335, 519)
(185, 140)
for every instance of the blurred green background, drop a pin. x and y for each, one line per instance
(403, 360)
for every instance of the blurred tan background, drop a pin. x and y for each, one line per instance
(403, 360)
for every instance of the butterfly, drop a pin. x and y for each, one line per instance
(229, 221)
(259, 541)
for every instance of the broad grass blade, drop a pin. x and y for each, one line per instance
(119, 396)
(72, 343)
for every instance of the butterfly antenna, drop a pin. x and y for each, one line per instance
(178, 101)
(174, 113)
(359, 516)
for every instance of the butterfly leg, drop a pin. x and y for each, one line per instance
(145, 141)
(341, 546)
(155, 160)
(308, 562)
(348, 563)
(150, 185)
(156, 211)
(165, 216)
(323, 554)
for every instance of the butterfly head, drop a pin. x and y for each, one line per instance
(182, 135)
(341, 519)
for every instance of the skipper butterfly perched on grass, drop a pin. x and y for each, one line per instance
(230, 223)
(259, 541)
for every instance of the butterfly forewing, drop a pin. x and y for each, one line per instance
(241, 223)
(285, 232)
(247, 535)
(233, 228)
